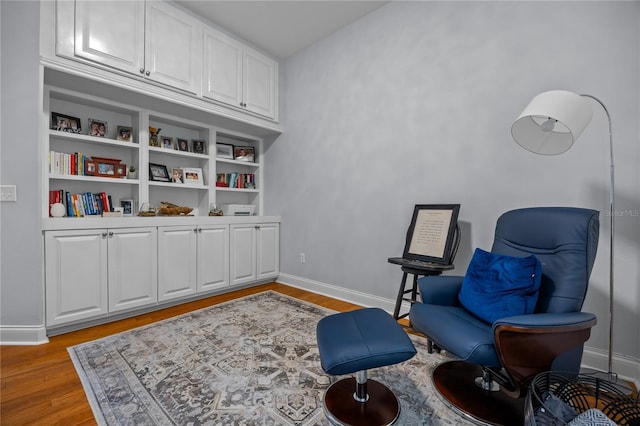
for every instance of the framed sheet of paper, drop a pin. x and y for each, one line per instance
(431, 234)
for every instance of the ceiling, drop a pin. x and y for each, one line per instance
(281, 28)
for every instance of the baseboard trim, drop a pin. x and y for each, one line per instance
(26, 335)
(626, 368)
(351, 296)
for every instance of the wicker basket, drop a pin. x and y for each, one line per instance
(580, 392)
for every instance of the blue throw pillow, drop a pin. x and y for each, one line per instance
(498, 286)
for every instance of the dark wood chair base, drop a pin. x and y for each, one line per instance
(340, 407)
(454, 382)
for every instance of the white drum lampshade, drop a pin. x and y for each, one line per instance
(552, 122)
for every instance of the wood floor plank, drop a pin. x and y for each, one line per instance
(39, 385)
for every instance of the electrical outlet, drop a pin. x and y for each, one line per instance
(302, 258)
(7, 193)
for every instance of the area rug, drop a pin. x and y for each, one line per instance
(250, 361)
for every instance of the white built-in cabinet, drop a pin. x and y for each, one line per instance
(177, 246)
(92, 272)
(254, 252)
(159, 42)
(151, 39)
(212, 269)
(238, 75)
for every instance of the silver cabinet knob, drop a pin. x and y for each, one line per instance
(104, 234)
(147, 73)
(141, 70)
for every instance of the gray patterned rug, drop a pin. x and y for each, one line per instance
(250, 361)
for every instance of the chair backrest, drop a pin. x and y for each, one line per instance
(565, 239)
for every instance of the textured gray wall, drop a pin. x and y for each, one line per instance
(414, 104)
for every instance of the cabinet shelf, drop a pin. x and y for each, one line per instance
(167, 151)
(94, 179)
(225, 189)
(179, 186)
(237, 162)
(93, 140)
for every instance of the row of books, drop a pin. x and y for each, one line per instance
(236, 180)
(61, 163)
(79, 205)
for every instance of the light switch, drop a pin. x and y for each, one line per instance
(7, 193)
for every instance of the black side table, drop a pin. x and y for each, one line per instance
(417, 269)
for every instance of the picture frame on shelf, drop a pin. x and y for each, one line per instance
(198, 146)
(244, 153)
(105, 167)
(183, 145)
(65, 123)
(158, 173)
(224, 150)
(167, 142)
(97, 128)
(124, 134)
(127, 207)
(177, 176)
(192, 176)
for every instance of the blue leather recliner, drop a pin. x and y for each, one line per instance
(508, 353)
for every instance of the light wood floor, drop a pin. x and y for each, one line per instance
(39, 384)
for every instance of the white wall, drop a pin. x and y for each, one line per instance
(21, 260)
(414, 104)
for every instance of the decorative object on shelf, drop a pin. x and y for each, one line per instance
(198, 146)
(170, 209)
(224, 150)
(167, 142)
(192, 176)
(549, 125)
(105, 167)
(177, 176)
(214, 211)
(127, 207)
(58, 210)
(65, 123)
(159, 173)
(132, 173)
(125, 134)
(154, 136)
(117, 212)
(244, 153)
(147, 209)
(183, 145)
(97, 128)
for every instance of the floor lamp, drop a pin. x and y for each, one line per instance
(549, 125)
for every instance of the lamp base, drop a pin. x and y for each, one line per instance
(612, 378)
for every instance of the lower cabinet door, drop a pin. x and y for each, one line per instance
(243, 253)
(76, 275)
(268, 250)
(177, 250)
(213, 257)
(133, 268)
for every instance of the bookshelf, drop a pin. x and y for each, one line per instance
(69, 149)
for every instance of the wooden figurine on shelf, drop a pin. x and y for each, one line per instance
(154, 136)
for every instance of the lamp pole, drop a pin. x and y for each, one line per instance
(611, 237)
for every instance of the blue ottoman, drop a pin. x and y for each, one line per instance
(354, 342)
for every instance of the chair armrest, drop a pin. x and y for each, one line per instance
(528, 344)
(547, 320)
(440, 290)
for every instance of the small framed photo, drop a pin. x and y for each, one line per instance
(183, 145)
(224, 150)
(158, 173)
(198, 146)
(244, 153)
(177, 176)
(127, 207)
(125, 134)
(167, 142)
(97, 128)
(192, 176)
(65, 123)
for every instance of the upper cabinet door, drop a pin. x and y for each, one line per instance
(173, 47)
(111, 33)
(260, 83)
(223, 68)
